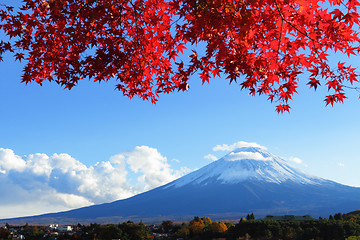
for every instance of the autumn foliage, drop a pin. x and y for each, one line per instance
(143, 45)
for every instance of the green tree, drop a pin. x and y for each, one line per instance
(183, 231)
(167, 226)
(250, 217)
(110, 231)
(338, 216)
(353, 238)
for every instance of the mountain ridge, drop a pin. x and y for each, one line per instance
(243, 181)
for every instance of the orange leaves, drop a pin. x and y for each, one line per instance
(262, 45)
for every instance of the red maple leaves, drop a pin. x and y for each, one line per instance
(264, 45)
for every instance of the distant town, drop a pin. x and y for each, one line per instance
(337, 226)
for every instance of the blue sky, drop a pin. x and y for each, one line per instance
(132, 145)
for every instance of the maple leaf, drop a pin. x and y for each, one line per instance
(350, 51)
(314, 83)
(10, 9)
(19, 56)
(330, 99)
(337, 14)
(281, 108)
(216, 72)
(204, 77)
(180, 48)
(271, 97)
(340, 65)
(340, 97)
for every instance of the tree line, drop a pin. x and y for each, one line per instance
(339, 226)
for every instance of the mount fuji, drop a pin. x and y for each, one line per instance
(247, 180)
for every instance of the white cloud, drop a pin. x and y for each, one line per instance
(295, 160)
(246, 155)
(152, 166)
(341, 164)
(240, 144)
(211, 157)
(175, 160)
(39, 164)
(9, 161)
(59, 182)
(46, 202)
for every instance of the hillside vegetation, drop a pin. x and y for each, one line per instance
(339, 226)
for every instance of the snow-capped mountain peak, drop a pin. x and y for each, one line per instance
(243, 164)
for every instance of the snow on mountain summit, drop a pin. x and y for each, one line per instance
(248, 153)
(248, 163)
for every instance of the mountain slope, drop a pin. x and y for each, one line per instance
(247, 164)
(244, 181)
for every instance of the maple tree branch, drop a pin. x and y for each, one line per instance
(121, 9)
(292, 25)
(174, 22)
(281, 29)
(303, 33)
(353, 88)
